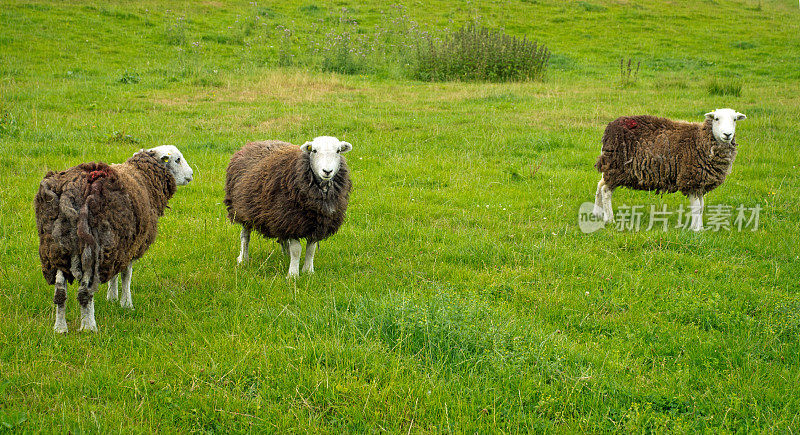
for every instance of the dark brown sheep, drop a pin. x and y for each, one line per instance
(659, 154)
(95, 219)
(290, 193)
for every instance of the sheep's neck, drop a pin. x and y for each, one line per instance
(720, 156)
(159, 194)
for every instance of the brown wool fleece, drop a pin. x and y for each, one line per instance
(651, 153)
(271, 188)
(96, 218)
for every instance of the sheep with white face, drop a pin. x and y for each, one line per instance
(94, 220)
(658, 154)
(289, 193)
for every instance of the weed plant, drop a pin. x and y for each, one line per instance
(628, 73)
(477, 53)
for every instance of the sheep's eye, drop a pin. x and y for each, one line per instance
(313, 151)
(716, 119)
(178, 160)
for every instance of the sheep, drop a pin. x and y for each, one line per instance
(95, 219)
(651, 153)
(290, 193)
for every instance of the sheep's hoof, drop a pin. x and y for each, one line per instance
(126, 304)
(308, 271)
(60, 329)
(292, 275)
(111, 297)
(86, 326)
(240, 259)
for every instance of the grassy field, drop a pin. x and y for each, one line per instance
(460, 295)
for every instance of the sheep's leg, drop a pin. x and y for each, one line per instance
(126, 300)
(86, 301)
(294, 261)
(60, 301)
(111, 294)
(244, 247)
(308, 265)
(608, 212)
(696, 204)
(598, 199)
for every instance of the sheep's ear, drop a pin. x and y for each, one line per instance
(740, 116)
(345, 147)
(710, 115)
(306, 147)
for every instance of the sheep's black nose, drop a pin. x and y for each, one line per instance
(327, 172)
(726, 135)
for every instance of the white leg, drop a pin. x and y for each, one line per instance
(60, 301)
(111, 294)
(608, 212)
(308, 265)
(87, 316)
(294, 262)
(598, 200)
(696, 206)
(244, 247)
(126, 299)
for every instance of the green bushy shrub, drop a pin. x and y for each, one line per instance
(477, 53)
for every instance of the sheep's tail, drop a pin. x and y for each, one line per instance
(87, 235)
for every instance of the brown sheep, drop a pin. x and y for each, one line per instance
(659, 154)
(290, 193)
(95, 219)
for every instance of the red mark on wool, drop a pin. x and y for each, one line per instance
(631, 123)
(94, 175)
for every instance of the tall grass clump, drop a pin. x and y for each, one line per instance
(348, 48)
(344, 54)
(175, 32)
(477, 53)
(724, 87)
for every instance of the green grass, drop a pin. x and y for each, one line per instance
(460, 295)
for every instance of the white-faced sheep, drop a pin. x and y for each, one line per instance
(290, 193)
(650, 153)
(95, 219)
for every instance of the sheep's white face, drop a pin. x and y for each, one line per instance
(325, 153)
(176, 164)
(723, 123)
